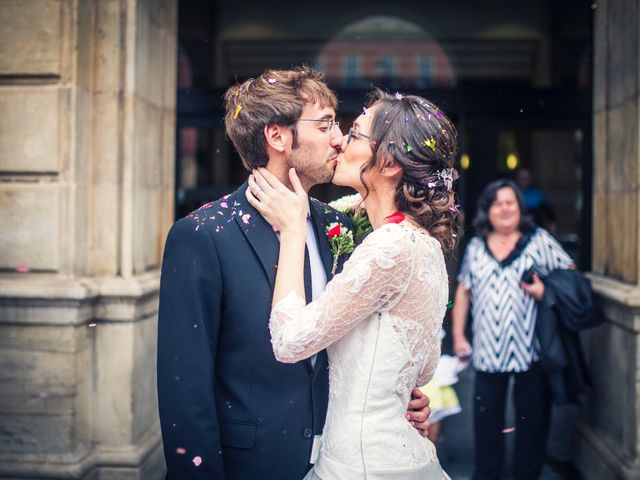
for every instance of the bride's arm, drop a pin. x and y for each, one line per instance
(372, 280)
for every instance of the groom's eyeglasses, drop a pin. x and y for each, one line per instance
(354, 135)
(327, 121)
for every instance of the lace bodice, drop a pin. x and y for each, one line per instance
(380, 320)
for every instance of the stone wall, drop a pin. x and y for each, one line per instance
(87, 122)
(609, 445)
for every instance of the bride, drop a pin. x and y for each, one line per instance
(380, 317)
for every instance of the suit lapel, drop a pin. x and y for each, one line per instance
(321, 221)
(257, 231)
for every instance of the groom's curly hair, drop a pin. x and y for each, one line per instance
(277, 97)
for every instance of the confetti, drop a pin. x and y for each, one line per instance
(391, 142)
(398, 96)
(22, 267)
(431, 184)
(180, 451)
(438, 113)
(272, 81)
(224, 205)
(235, 115)
(91, 325)
(449, 304)
(246, 217)
(509, 430)
(431, 143)
(197, 461)
(409, 148)
(365, 111)
(406, 119)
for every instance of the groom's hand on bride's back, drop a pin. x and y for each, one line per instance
(418, 411)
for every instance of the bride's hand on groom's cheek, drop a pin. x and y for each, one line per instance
(419, 411)
(284, 209)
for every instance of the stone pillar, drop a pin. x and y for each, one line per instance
(609, 436)
(87, 127)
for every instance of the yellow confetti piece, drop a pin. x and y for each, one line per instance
(238, 108)
(431, 143)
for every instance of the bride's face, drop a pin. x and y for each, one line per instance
(356, 151)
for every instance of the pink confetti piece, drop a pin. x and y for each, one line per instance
(509, 430)
(197, 461)
(180, 451)
(398, 95)
(246, 217)
(91, 325)
(431, 184)
(224, 205)
(272, 81)
(391, 142)
(22, 267)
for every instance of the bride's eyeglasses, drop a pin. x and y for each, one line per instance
(355, 135)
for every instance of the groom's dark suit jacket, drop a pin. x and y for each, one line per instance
(225, 402)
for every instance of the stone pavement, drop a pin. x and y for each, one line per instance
(455, 448)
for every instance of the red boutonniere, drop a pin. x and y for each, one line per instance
(341, 242)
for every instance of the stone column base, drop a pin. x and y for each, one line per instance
(77, 378)
(136, 462)
(608, 445)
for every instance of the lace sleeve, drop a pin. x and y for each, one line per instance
(372, 280)
(430, 367)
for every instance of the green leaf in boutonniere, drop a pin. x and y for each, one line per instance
(341, 242)
(353, 207)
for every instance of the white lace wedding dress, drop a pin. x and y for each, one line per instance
(380, 321)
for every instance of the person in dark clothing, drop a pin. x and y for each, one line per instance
(507, 243)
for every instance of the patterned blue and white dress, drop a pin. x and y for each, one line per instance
(503, 314)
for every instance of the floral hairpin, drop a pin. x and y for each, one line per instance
(446, 177)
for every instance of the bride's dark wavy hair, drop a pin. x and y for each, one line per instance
(412, 132)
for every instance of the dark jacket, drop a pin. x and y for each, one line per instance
(222, 395)
(566, 308)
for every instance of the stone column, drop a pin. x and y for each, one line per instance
(609, 436)
(87, 126)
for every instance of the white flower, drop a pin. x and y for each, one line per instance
(347, 203)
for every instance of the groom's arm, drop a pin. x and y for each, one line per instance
(188, 324)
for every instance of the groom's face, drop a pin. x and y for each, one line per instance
(318, 145)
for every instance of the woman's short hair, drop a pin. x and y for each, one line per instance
(277, 97)
(481, 224)
(411, 131)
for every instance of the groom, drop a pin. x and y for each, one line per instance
(228, 409)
